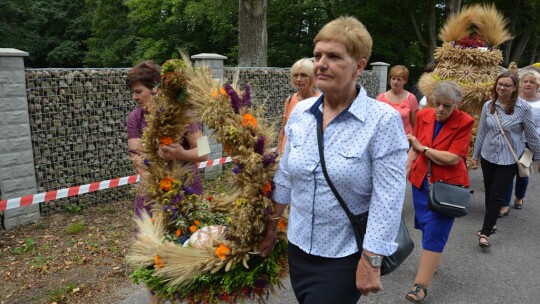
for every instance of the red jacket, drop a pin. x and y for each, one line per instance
(454, 137)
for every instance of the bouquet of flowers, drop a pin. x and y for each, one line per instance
(204, 250)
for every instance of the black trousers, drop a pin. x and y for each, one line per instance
(319, 280)
(496, 181)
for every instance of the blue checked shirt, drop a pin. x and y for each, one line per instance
(491, 145)
(365, 152)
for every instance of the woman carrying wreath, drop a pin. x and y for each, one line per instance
(442, 135)
(365, 159)
(143, 80)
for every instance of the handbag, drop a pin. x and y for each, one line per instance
(525, 161)
(359, 221)
(450, 200)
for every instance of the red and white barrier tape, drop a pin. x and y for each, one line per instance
(31, 199)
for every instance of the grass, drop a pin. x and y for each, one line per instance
(75, 228)
(28, 246)
(73, 208)
(57, 294)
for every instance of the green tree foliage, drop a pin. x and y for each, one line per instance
(120, 33)
(53, 33)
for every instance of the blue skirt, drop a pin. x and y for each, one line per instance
(435, 227)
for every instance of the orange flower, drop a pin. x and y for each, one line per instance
(281, 224)
(210, 198)
(178, 233)
(158, 262)
(216, 93)
(192, 229)
(196, 223)
(165, 140)
(267, 189)
(222, 251)
(166, 183)
(153, 220)
(248, 119)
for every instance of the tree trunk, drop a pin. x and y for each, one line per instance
(432, 27)
(252, 33)
(512, 29)
(430, 45)
(452, 7)
(517, 51)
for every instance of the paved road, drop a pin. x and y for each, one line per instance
(508, 272)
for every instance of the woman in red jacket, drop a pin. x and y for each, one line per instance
(441, 136)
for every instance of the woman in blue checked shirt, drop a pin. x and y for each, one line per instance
(365, 151)
(498, 164)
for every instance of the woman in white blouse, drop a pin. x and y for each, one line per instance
(491, 149)
(365, 154)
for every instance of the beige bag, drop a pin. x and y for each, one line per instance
(525, 161)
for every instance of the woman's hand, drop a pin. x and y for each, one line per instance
(474, 164)
(269, 240)
(415, 143)
(171, 152)
(368, 277)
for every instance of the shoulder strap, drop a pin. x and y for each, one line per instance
(323, 166)
(504, 135)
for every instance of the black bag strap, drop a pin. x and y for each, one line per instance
(323, 166)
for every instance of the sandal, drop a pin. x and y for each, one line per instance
(415, 296)
(493, 230)
(483, 241)
(519, 206)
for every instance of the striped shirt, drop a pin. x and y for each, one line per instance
(490, 143)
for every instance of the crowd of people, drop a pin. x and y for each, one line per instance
(372, 147)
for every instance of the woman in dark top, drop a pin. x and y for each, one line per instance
(142, 80)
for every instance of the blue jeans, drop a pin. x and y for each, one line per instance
(521, 188)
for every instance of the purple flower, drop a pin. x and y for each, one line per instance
(269, 158)
(246, 98)
(236, 103)
(259, 145)
(239, 167)
(188, 190)
(146, 162)
(177, 199)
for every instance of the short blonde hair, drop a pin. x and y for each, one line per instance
(351, 32)
(534, 74)
(399, 71)
(305, 65)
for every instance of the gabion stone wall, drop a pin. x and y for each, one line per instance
(78, 125)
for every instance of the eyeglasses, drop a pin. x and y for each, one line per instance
(445, 106)
(505, 85)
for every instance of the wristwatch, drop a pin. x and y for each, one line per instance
(374, 260)
(425, 150)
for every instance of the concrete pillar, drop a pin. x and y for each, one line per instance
(215, 63)
(17, 171)
(381, 69)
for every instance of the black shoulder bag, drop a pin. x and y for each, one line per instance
(359, 221)
(450, 200)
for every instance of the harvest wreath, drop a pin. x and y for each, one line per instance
(197, 249)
